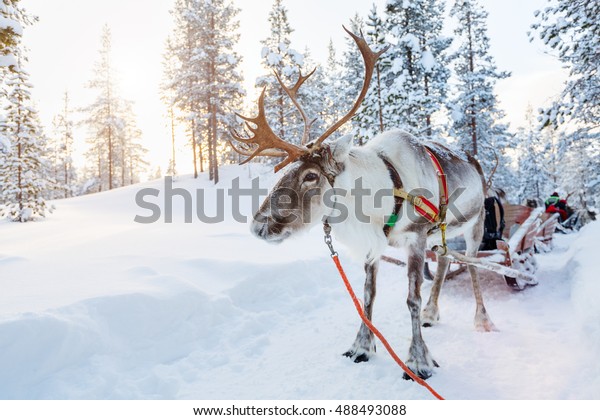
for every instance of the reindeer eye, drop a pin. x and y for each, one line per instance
(310, 177)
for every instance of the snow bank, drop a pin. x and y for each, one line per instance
(96, 306)
(586, 297)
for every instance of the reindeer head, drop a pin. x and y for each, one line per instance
(299, 199)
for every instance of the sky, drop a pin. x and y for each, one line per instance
(64, 43)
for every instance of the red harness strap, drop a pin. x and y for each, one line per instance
(421, 204)
(441, 176)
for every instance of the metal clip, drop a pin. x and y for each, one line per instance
(329, 239)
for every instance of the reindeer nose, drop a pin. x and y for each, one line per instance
(259, 230)
(259, 225)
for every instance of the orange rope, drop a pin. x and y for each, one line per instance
(375, 331)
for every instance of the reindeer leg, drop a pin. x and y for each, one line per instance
(419, 360)
(473, 239)
(364, 345)
(431, 314)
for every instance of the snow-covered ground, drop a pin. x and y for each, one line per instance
(96, 306)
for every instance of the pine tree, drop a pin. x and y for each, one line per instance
(181, 53)
(572, 29)
(474, 108)
(206, 79)
(580, 174)
(61, 148)
(334, 102)
(278, 57)
(168, 98)
(371, 118)
(555, 152)
(101, 120)
(418, 74)
(353, 73)
(12, 20)
(313, 98)
(112, 127)
(224, 91)
(532, 152)
(129, 151)
(23, 175)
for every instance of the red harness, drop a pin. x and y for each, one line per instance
(421, 204)
(443, 193)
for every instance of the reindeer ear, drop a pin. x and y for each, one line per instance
(340, 147)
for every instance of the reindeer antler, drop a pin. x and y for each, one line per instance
(264, 142)
(293, 94)
(267, 142)
(370, 58)
(490, 179)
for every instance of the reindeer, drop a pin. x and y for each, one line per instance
(391, 161)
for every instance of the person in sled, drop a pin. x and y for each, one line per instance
(493, 223)
(554, 204)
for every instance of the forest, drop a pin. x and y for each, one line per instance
(438, 87)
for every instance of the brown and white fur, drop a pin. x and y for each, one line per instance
(340, 164)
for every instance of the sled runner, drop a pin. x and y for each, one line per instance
(527, 231)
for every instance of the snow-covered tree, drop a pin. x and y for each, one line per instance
(130, 152)
(335, 103)
(223, 86)
(417, 78)
(474, 107)
(182, 76)
(279, 57)
(370, 120)
(23, 174)
(206, 78)
(353, 72)
(168, 97)
(100, 116)
(555, 151)
(112, 128)
(571, 28)
(580, 167)
(533, 173)
(60, 153)
(12, 20)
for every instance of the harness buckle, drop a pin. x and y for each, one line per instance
(444, 244)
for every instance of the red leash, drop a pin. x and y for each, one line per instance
(368, 323)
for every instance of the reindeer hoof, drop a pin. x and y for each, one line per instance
(357, 357)
(423, 373)
(361, 358)
(430, 316)
(484, 324)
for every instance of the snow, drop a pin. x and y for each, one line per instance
(4, 144)
(412, 42)
(8, 60)
(273, 59)
(456, 114)
(8, 23)
(427, 61)
(264, 52)
(96, 306)
(297, 58)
